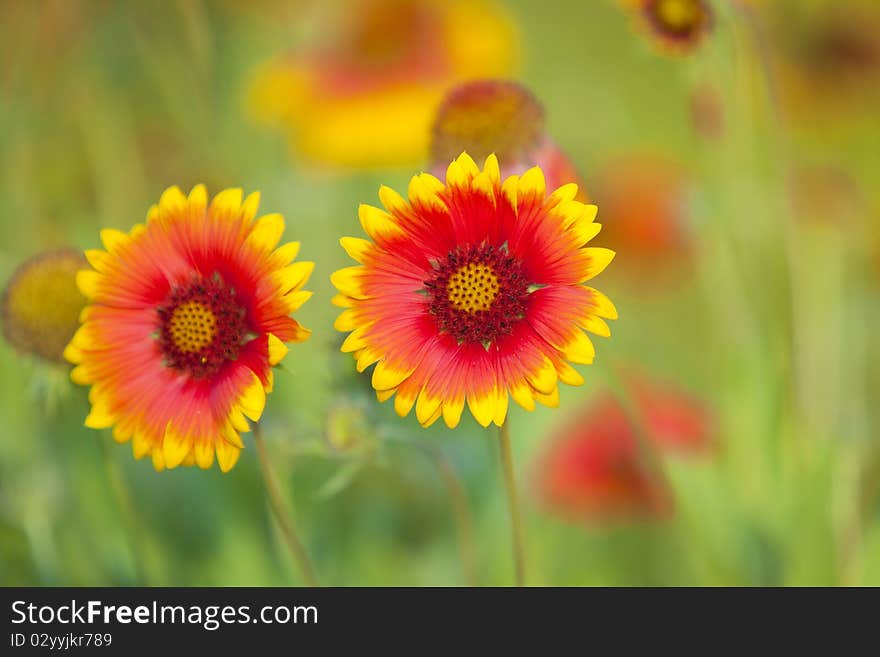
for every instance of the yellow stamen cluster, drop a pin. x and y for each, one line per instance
(473, 287)
(193, 327)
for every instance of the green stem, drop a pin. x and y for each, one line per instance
(282, 517)
(133, 530)
(461, 511)
(519, 556)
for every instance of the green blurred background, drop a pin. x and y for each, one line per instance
(104, 104)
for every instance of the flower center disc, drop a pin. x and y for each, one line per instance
(192, 327)
(202, 326)
(678, 17)
(473, 287)
(478, 293)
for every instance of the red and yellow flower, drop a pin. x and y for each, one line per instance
(188, 314)
(471, 292)
(366, 95)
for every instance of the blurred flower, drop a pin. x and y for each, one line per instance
(500, 117)
(40, 306)
(472, 290)
(707, 111)
(595, 469)
(828, 59)
(366, 97)
(675, 26)
(676, 421)
(348, 429)
(188, 315)
(825, 195)
(643, 200)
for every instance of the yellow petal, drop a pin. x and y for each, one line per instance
(532, 183)
(456, 176)
(73, 354)
(483, 183)
(294, 300)
(204, 453)
(227, 202)
(158, 459)
(386, 376)
(403, 402)
(80, 375)
(198, 197)
(250, 206)
(501, 409)
(100, 416)
(347, 321)
(366, 356)
(424, 189)
(277, 350)
(544, 378)
(579, 349)
(568, 375)
(491, 168)
(356, 247)
(600, 258)
(377, 223)
(227, 455)
(141, 445)
(431, 420)
(509, 189)
(175, 447)
(88, 281)
(603, 305)
(348, 281)
(385, 395)
(113, 239)
(98, 259)
(483, 406)
(286, 253)
(342, 301)
(595, 325)
(266, 232)
(238, 421)
(467, 163)
(294, 276)
(551, 400)
(172, 200)
(426, 407)
(354, 341)
(253, 400)
(567, 192)
(452, 410)
(522, 394)
(393, 202)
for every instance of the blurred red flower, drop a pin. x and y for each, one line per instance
(595, 470)
(643, 199)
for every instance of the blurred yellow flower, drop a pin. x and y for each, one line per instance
(367, 95)
(41, 304)
(675, 26)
